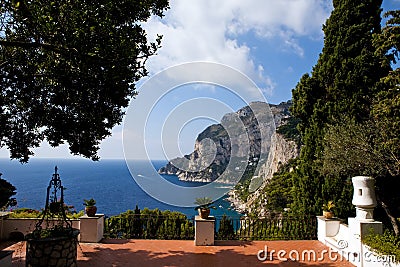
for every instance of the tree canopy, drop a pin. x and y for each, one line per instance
(7, 190)
(68, 68)
(372, 147)
(341, 85)
(349, 111)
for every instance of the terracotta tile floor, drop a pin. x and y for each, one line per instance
(184, 253)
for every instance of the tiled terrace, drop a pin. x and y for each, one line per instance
(137, 252)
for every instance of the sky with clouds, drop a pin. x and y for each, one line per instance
(272, 42)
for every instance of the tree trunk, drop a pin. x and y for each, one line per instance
(393, 220)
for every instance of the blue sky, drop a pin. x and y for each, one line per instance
(272, 42)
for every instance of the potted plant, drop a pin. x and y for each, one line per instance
(90, 207)
(204, 205)
(327, 209)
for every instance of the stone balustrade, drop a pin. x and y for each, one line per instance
(346, 240)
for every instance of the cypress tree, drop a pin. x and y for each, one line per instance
(341, 85)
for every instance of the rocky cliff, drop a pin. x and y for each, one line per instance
(282, 150)
(246, 137)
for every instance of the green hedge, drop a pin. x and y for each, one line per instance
(386, 244)
(149, 224)
(31, 213)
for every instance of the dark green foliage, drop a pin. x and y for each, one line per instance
(156, 224)
(226, 230)
(387, 42)
(371, 146)
(149, 224)
(363, 143)
(278, 192)
(386, 117)
(89, 202)
(68, 69)
(341, 85)
(386, 105)
(7, 190)
(280, 227)
(290, 129)
(242, 188)
(386, 244)
(137, 224)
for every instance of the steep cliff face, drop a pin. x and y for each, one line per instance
(282, 150)
(247, 135)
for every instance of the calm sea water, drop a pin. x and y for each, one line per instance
(109, 182)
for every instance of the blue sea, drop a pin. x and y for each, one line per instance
(109, 182)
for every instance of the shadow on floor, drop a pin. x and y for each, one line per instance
(221, 256)
(143, 253)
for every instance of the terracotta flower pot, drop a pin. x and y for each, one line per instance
(91, 211)
(328, 214)
(204, 213)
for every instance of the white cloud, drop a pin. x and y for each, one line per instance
(209, 30)
(214, 30)
(267, 18)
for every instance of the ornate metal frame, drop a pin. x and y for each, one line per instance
(55, 208)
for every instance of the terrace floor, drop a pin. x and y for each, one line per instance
(136, 252)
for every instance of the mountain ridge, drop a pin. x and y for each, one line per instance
(214, 148)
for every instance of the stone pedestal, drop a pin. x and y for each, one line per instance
(327, 227)
(365, 201)
(204, 231)
(92, 228)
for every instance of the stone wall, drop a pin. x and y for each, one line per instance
(57, 252)
(91, 227)
(12, 226)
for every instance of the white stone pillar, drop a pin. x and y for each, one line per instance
(327, 228)
(365, 201)
(364, 197)
(91, 228)
(204, 231)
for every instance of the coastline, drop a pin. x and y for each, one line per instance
(236, 203)
(109, 182)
